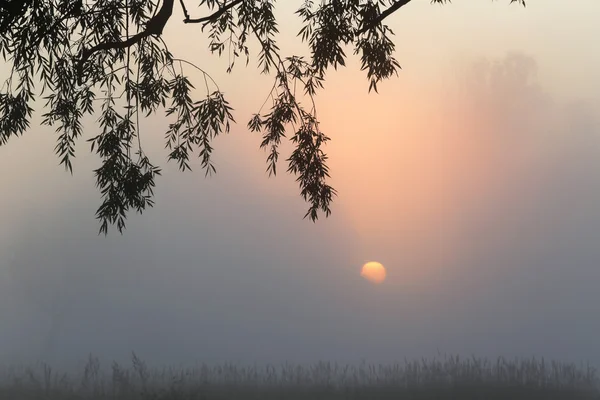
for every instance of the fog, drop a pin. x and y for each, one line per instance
(479, 190)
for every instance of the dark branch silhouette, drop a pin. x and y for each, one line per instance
(213, 16)
(401, 3)
(155, 26)
(393, 8)
(184, 8)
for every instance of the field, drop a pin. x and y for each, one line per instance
(445, 378)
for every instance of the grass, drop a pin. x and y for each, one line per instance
(437, 379)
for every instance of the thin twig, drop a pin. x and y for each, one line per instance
(213, 16)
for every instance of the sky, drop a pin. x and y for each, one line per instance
(473, 177)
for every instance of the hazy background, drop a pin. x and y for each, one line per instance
(474, 177)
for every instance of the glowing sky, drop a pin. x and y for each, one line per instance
(474, 177)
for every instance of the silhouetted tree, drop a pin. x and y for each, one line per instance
(76, 49)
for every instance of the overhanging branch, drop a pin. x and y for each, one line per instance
(154, 26)
(393, 8)
(213, 16)
(401, 3)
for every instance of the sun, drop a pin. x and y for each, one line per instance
(373, 272)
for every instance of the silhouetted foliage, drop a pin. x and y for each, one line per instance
(107, 58)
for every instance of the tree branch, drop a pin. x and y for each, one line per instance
(393, 8)
(185, 11)
(214, 15)
(154, 26)
(401, 3)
